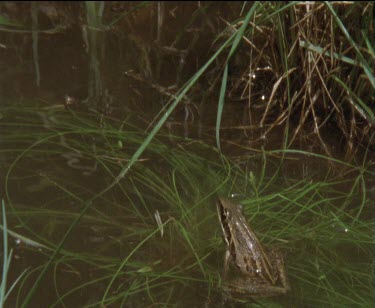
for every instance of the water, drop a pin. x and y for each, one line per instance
(66, 140)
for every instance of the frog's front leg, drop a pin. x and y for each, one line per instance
(285, 286)
(227, 260)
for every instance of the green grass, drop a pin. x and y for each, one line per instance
(316, 222)
(7, 258)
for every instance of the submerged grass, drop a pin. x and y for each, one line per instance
(117, 251)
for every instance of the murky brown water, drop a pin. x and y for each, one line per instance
(93, 86)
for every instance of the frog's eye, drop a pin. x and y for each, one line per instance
(226, 214)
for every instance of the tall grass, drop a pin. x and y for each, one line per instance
(7, 258)
(321, 77)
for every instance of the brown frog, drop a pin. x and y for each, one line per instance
(261, 272)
